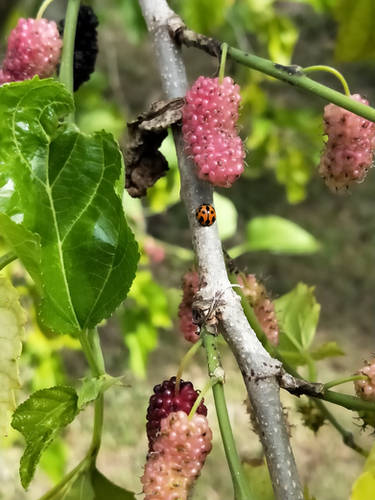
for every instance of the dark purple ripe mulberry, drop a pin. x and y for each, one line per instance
(86, 45)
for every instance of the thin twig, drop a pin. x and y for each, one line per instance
(292, 74)
(259, 370)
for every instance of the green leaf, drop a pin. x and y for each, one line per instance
(226, 216)
(298, 315)
(355, 37)
(92, 387)
(259, 480)
(204, 16)
(65, 194)
(364, 486)
(78, 488)
(276, 234)
(90, 484)
(39, 419)
(327, 350)
(105, 489)
(12, 320)
(25, 244)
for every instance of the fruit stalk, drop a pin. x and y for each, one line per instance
(67, 58)
(240, 485)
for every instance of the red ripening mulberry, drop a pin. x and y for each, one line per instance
(190, 287)
(209, 127)
(264, 308)
(348, 152)
(365, 389)
(34, 48)
(178, 457)
(165, 400)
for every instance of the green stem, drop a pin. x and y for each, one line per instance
(98, 427)
(90, 343)
(299, 79)
(43, 8)
(331, 70)
(311, 365)
(185, 361)
(223, 60)
(240, 485)
(344, 380)
(6, 259)
(348, 401)
(66, 68)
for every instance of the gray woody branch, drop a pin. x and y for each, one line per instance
(258, 369)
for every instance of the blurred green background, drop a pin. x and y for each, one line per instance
(332, 247)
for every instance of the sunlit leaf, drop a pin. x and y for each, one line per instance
(166, 191)
(298, 315)
(279, 235)
(356, 37)
(259, 480)
(204, 16)
(64, 191)
(327, 350)
(364, 487)
(145, 311)
(39, 419)
(227, 216)
(12, 319)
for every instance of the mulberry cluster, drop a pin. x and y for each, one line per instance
(348, 153)
(190, 287)
(365, 389)
(34, 48)
(209, 127)
(165, 400)
(85, 45)
(264, 308)
(178, 457)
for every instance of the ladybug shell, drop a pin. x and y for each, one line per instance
(205, 214)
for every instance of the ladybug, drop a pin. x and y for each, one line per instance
(205, 214)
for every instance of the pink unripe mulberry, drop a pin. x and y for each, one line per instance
(365, 389)
(178, 457)
(190, 287)
(264, 308)
(209, 127)
(348, 152)
(34, 48)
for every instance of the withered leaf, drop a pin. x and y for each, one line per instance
(144, 162)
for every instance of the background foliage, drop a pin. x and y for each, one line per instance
(324, 241)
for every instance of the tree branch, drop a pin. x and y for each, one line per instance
(259, 370)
